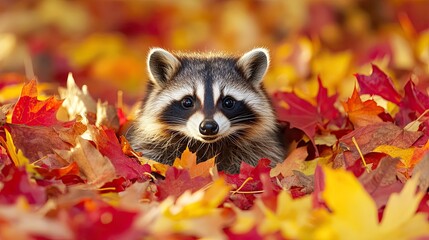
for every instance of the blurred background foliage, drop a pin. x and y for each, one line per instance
(104, 43)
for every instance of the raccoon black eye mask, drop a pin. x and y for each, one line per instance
(213, 103)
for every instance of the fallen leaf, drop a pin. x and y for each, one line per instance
(36, 142)
(17, 184)
(372, 136)
(302, 114)
(33, 112)
(248, 181)
(292, 217)
(414, 103)
(422, 170)
(354, 213)
(20, 222)
(188, 160)
(4, 109)
(295, 161)
(107, 116)
(177, 181)
(400, 219)
(77, 101)
(378, 83)
(96, 168)
(109, 146)
(362, 113)
(380, 179)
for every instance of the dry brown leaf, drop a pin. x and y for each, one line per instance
(96, 168)
(77, 101)
(107, 116)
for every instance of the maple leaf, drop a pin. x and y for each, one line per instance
(250, 179)
(177, 181)
(354, 213)
(378, 83)
(422, 168)
(382, 182)
(15, 154)
(247, 172)
(372, 136)
(362, 113)
(107, 116)
(409, 156)
(77, 101)
(188, 160)
(58, 173)
(192, 210)
(101, 221)
(414, 103)
(33, 112)
(96, 168)
(109, 146)
(302, 114)
(19, 221)
(36, 142)
(291, 217)
(16, 184)
(295, 161)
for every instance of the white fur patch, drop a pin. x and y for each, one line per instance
(216, 92)
(193, 125)
(200, 92)
(223, 122)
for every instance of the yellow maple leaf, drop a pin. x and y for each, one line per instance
(400, 219)
(404, 154)
(408, 157)
(191, 211)
(292, 217)
(354, 213)
(16, 155)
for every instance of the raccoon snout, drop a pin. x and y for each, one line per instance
(209, 127)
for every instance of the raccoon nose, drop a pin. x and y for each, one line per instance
(209, 127)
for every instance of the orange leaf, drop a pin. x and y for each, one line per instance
(362, 113)
(33, 112)
(188, 161)
(295, 161)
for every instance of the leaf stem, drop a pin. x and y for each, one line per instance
(242, 185)
(360, 153)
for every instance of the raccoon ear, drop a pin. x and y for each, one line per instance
(254, 64)
(161, 65)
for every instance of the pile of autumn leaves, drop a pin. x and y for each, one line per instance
(359, 172)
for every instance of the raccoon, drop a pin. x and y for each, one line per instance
(214, 104)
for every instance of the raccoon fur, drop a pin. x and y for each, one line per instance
(214, 104)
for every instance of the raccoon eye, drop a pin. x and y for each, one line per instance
(228, 102)
(187, 102)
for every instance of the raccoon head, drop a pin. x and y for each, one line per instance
(207, 97)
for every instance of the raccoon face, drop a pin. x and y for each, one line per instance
(207, 97)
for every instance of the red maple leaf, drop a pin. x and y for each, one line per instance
(302, 114)
(414, 103)
(177, 181)
(99, 220)
(378, 83)
(250, 179)
(33, 112)
(16, 183)
(108, 145)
